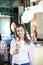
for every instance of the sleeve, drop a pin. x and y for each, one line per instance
(12, 47)
(31, 53)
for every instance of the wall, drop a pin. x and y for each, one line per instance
(4, 25)
(40, 25)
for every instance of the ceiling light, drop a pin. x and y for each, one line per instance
(32, 0)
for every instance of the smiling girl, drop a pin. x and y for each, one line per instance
(21, 48)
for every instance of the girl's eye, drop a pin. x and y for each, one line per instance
(21, 30)
(17, 30)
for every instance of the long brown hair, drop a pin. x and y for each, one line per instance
(25, 36)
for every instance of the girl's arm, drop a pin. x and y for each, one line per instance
(12, 47)
(31, 54)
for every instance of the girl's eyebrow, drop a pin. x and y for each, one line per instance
(17, 30)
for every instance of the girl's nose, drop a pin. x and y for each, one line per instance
(20, 32)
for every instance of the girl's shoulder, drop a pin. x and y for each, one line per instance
(31, 44)
(12, 42)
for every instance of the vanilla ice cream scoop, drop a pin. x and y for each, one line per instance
(18, 46)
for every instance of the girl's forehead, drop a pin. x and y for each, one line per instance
(18, 28)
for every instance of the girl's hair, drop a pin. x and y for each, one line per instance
(0, 37)
(25, 36)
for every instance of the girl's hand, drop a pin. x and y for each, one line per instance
(15, 52)
(17, 46)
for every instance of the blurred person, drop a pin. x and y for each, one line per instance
(21, 48)
(35, 36)
(3, 50)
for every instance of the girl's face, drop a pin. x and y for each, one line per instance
(20, 32)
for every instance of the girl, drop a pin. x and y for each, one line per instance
(20, 48)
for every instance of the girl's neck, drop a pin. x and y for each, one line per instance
(22, 39)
